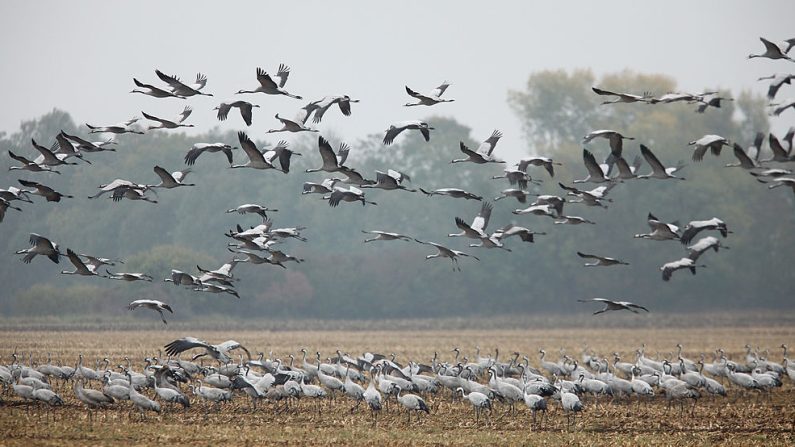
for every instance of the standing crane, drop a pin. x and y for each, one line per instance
(478, 400)
(411, 402)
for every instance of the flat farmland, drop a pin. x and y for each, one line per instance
(741, 418)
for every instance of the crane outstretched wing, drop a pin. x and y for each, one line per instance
(183, 344)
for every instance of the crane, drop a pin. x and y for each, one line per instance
(171, 180)
(386, 236)
(4, 205)
(772, 51)
(478, 400)
(41, 246)
(616, 140)
(200, 148)
(455, 193)
(429, 99)
(350, 194)
(129, 277)
(155, 92)
(48, 157)
(395, 129)
(81, 268)
(155, 305)
(390, 180)
(702, 245)
(45, 191)
(545, 162)
(268, 86)
(321, 106)
(712, 142)
(218, 352)
(661, 231)
(256, 159)
(776, 82)
(292, 125)
(601, 261)
(571, 405)
(411, 402)
(621, 97)
(611, 305)
(684, 263)
(596, 174)
(332, 161)
(170, 123)
(445, 252)
(29, 165)
(245, 108)
(696, 226)
(483, 154)
(477, 229)
(119, 128)
(179, 88)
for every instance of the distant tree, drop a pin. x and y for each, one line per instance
(43, 129)
(555, 106)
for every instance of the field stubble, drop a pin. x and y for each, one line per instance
(744, 418)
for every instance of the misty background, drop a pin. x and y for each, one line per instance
(523, 68)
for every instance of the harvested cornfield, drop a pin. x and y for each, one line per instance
(741, 418)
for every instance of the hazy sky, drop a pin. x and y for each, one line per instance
(82, 56)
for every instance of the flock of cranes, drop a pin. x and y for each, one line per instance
(260, 244)
(486, 383)
(217, 374)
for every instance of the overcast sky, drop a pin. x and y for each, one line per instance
(81, 56)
